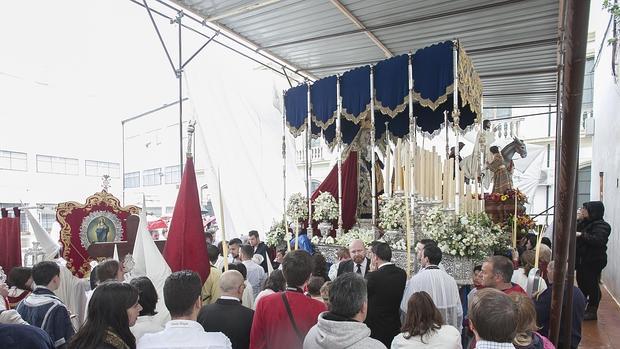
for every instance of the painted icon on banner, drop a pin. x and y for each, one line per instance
(100, 226)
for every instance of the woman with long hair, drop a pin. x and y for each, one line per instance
(112, 309)
(520, 276)
(424, 326)
(527, 337)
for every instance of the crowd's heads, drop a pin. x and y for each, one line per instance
(213, 253)
(314, 285)
(546, 241)
(551, 271)
(422, 316)
(246, 252)
(209, 238)
(297, 267)
(148, 294)
(357, 250)
(528, 260)
(253, 238)
(530, 241)
(593, 210)
(233, 247)
(493, 316)
(232, 284)
(182, 294)
(419, 247)
(381, 252)
(240, 267)
(46, 274)
(325, 292)
(494, 149)
(113, 305)
(526, 319)
(343, 254)
(20, 277)
(348, 296)
(275, 281)
(110, 269)
(431, 255)
(320, 265)
(477, 275)
(280, 255)
(496, 270)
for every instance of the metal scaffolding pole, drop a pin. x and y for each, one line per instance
(309, 162)
(284, 220)
(373, 175)
(339, 143)
(457, 133)
(576, 34)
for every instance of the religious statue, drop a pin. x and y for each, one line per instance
(364, 199)
(502, 180)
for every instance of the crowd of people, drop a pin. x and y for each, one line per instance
(363, 300)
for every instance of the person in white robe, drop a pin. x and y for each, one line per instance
(439, 285)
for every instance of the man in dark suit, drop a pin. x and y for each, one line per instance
(385, 290)
(259, 248)
(358, 262)
(227, 315)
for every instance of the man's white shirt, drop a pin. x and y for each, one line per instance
(184, 334)
(256, 276)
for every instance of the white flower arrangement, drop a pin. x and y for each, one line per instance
(325, 207)
(392, 212)
(277, 234)
(399, 245)
(366, 235)
(297, 208)
(326, 240)
(471, 236)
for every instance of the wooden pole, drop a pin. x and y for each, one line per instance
(224, 241)
(575, 20)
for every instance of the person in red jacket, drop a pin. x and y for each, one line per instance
(283, 319)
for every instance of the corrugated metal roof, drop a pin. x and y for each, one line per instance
(513, 43)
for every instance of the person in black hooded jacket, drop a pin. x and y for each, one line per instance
(592, 236)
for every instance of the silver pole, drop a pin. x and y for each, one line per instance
(339, 142)
(455, 119)
(412, 142)
(309, 160)
(372, 149)
(388, 175)
(284, 165)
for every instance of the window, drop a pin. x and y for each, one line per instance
(169, 210)
(588, 86)
(10, 160)
(583, 185)
(100, 168)
(23, 222)
(132, 179)
(151, 177)
(47, 217)
(172, 174)
(55, 164)
(153, 211)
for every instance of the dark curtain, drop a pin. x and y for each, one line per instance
(10, 240)
(349, 191)
(296, 106)
(324, 101)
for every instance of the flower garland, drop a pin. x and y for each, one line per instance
(277, 234)
(471, 235)
(325, 207)
(326, 240)
(391, 212)
(508, 196)
(366, 235)
(297, 208)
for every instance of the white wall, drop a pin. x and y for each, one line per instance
(605, 152)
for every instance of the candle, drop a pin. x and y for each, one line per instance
(408, 222)
(224, 241)
(397, 174)
(514, 224)
(388, 178)
(538, 242)
(297, 236)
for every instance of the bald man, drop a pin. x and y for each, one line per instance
(227, 315)
(358, 262)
